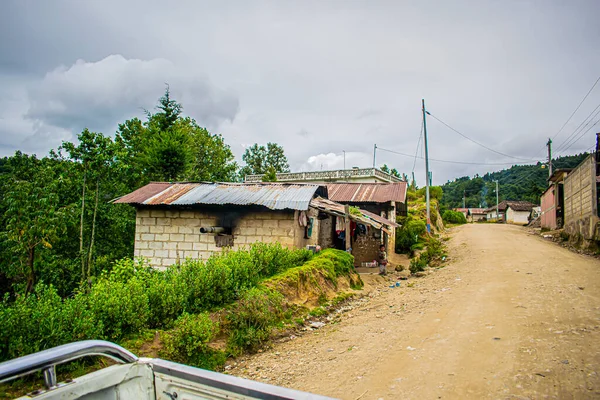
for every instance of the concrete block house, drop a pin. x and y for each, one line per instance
(512, 212)
(176, 221)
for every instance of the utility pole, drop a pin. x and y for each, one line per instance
(427, 176)
(464, 198)
(344, 151)
(374, 153)
(497, 213)
(549, 144)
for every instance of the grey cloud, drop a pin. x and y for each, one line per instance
(351, 73)
(38, 114)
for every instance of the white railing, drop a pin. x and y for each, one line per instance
(329, 175)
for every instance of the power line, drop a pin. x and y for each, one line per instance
(417, 151)
(582, 135)
(443, 161)
(573, 113)
(476, 142)
(587, 120)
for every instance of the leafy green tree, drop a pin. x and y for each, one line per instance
(33, 222)
(270, 176)
(95, 152)
(259, 159)
(213, 160)
(393, 172)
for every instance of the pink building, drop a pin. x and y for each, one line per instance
(548, 220)
(553, 201)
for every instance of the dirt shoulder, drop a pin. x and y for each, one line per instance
(511, 316)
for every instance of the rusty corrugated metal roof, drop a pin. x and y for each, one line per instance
(367, 192)
(143, 193)
(275, 196)
(338, 209)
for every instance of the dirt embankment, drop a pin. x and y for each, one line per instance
(511, 316)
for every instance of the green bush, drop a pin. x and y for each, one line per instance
(409, 234)
(188, 342)
(167, 297)
(132, 296)
(120, 307)
(435, 192)
(430, 257)
(42, 320)
(251, 320)
(454, 217)
(222, 278)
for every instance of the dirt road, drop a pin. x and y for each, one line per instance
(511, 317)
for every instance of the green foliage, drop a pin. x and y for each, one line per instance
(454, 217)
(393, 172)
(251, 320)
(56, 220)
(435, 192)
(120, 307)
(409, 235)
(270, 175)
(188, 342)
(431, 257)
(262, 160)
(41, 320)
(33, 221)
(222, 278)
(318, 312)
(132, 296)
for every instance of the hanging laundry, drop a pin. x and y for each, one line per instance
(302, 218)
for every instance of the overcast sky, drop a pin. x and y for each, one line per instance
(317, 77)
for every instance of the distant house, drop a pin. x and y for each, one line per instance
(518, 212)
(510, 211)
(495, 214)
(553, 201)
(175, 221)
(463, 211)
(476, 214)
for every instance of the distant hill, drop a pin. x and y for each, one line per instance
(519, 182)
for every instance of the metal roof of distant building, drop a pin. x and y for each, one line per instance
(515, 205)
(276, 196)
(367, 192)
(477, 210)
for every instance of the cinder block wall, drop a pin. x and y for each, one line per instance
(366, 248)
(581, 215)
(166, 237)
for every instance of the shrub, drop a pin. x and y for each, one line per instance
(42, 320)
(432, 256)
(409, 234)
(251, 320)
(223, 278)
(188, 342)
(417, 264)
(435, 192)
(167, 297)
(120, 307)
(454, 217)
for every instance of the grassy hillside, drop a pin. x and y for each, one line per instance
(519, 182)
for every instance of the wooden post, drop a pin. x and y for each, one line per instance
(347, 220)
